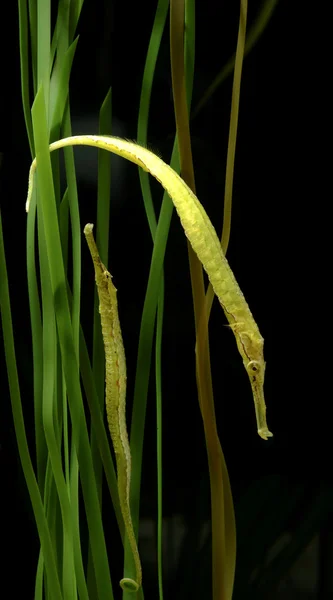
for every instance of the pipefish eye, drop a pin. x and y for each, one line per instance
(253, 367)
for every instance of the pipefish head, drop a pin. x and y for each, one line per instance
(251, 348)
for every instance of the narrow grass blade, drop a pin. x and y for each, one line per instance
(252, 37)
(49, 410)
(43, 50)
(102, 240)
(37, 504)
(68, 352)
(143, 117)
(223, 520)
(59, 89)
(24, 61)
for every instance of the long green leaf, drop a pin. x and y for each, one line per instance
(68, 351)
(36, 500)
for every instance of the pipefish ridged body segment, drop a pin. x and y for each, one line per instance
(203, 238)
(115, 395)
